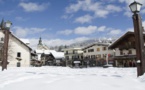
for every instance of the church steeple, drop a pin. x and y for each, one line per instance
(40, 46)
(40, 41)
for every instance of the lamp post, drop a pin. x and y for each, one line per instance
(6, 31)
(138, 32)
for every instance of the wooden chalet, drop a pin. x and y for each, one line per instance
(47, 59)
(52, 59)
(125, 51)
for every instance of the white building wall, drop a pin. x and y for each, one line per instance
(101, 52)
(133, 51)
(125, 52)
(70, 53)
(39, 56)
(1, 34)
(14, 47)
(117, 52)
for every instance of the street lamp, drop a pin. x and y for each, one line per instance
(6, 31)
(135, 7)
(8, 25)
(138, 32)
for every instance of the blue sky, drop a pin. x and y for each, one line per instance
(63, 22)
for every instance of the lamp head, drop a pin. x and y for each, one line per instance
(8, 25)
(135, 7)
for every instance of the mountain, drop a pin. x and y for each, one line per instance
(84, 43)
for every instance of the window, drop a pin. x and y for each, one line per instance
(104, 55)
(98, 49)
(89, 56)
(91, 50)
(74, 51)
(67, 57)
(130, 52)
(104, 48)
(99, 56)
(81, 57)
(66, 52)
(78, 57)
(93, 56)
(121, 52)
(72, 57)
(18, 54)
(2, 39)
(133, 43)
(129, 43)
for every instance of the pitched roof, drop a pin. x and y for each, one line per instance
(71, 49)
(53, 52)
(20, 41)
(99, 44)
(25, 40)
(57, 54)
(119, 39)
(123, 37)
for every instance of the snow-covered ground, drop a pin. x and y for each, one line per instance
(65, 78)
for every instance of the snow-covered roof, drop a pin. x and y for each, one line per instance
(53, 52)
(57, 54)
(71, 49)
(26, 41)
(97, 44)
(39, 51)
(43, 51)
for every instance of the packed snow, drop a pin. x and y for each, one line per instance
(65, 78)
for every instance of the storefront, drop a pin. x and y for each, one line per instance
(125, 61)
